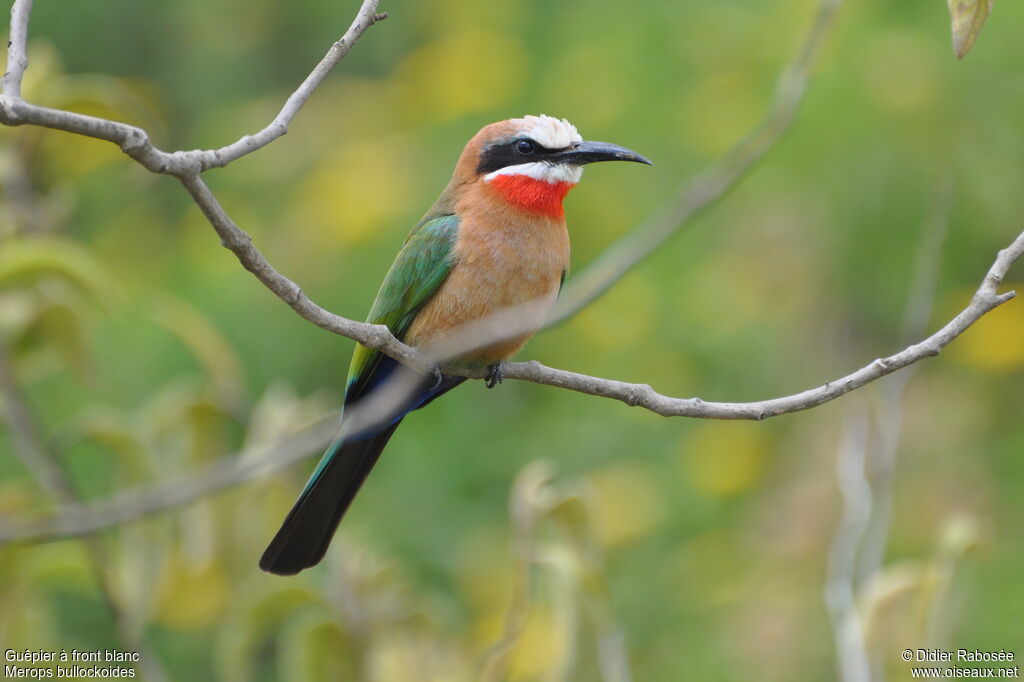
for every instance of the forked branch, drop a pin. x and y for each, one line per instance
(187, 166)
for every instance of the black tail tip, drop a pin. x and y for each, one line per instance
(269, 565)
(280, 561)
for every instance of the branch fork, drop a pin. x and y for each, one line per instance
(691, 199)
(187, 166)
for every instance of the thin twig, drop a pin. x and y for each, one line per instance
(43, 462)
(240, 243)
(525, 514)
(136, 504)
(131, 505)
(865, 463)
(985, 299)
(840, 593)
(365, 18)
(30, 445)
(694, 197)
(17, 49)
(888, 409)
(134, 141)
(14, 111)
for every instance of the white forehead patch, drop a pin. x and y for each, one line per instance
(539, 170)
(551, 132)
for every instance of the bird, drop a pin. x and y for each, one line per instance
(495, 239)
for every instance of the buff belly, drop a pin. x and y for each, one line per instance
(503, 281)
(474, 306)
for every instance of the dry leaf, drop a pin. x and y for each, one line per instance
(968, 18)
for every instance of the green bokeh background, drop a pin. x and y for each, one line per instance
(704, 544)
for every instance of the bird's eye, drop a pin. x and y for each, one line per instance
(524, 147)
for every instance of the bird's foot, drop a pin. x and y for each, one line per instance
(435, 371)
(495, 375)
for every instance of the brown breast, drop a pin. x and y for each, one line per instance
(507, 272)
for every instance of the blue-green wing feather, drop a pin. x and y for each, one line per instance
(418, 271)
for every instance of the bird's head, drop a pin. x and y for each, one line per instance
(532, 162)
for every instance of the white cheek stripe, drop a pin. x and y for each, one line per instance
(538, 170)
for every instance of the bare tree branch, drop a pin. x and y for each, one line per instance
(365, 18)
(240, 243)
(17, 49)
(70, 522)
(265, 459)
(865, 464)
(187, 166)
(985, 299)
(887, 411)
(44, 463)
(30, 445)
(840, 593)
(134, 141)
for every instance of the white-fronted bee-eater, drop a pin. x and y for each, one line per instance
(495, 239)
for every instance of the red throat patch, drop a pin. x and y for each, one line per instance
(531, 194)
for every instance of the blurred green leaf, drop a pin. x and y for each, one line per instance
(711, 530)
(115, 431)
(206, 343)
(191, 595)
(313, 648)
(258, 610)
(29, 260)
(60, 325)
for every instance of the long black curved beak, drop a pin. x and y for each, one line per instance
(588, 152)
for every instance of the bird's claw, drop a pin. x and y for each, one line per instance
(495, 375)
(438, 377)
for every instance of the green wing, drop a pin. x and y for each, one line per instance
(419, 269)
